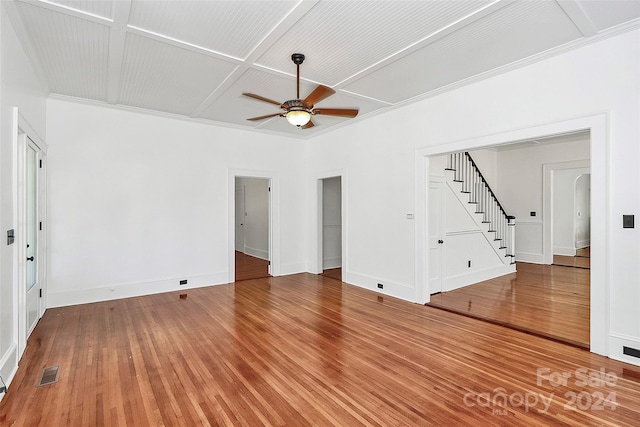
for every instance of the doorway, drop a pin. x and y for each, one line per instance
(332, 227)
(252, 255)
(598, 293)
(571, 216)
(29, 237)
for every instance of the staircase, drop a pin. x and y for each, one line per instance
(500, 225)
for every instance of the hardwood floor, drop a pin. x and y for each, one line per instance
(250, 267)
(304, 350)
(334, 273)
(581, 260)
(547, 300)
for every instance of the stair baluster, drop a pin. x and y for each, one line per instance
(473, 182)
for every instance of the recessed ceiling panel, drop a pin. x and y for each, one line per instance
(517, 31)
(73, 52)
(605, 14)
(342, 38)
(102, 8)
(167, 78)
(232, 28)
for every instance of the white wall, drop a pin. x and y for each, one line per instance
(20, 88)
(138, 202)
(520, 177)
(582, 211)
(331, 222)
(380, 156)
(256, 220)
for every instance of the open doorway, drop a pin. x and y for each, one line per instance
(252, 255)
(571, 215)
(332, 227)
(544, 297)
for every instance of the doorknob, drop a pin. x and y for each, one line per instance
(30, 258)
(440, 241)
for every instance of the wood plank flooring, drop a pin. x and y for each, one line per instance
(304, 350)
(250, 267)
(552, 301)
(334, 273)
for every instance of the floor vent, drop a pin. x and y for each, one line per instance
(49, 376)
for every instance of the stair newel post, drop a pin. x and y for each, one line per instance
(511, 250)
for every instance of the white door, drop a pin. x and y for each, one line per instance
(240, 218)
(435, 236)
(32, 192)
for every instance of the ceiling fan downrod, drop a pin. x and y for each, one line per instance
(297, 59)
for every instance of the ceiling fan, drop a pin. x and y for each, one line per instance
(298, 111)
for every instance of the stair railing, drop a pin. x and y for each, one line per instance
(480, 194)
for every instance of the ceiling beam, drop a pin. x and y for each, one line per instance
(581, 20)
(117, 38)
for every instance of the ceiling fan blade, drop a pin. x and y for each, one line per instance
(340, 112)
(308, 125)
(262, 98)
(264, 117)
(319, 93)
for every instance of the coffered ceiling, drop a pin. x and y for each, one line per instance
(196, 58)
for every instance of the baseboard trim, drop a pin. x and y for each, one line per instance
(529, 257)
(258, 253)
(9, 366)
(129, 290)
(466, 279)
(397, 290)
(564, 250)
(617, 342)
(331, 263)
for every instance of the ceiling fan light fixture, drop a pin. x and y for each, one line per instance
(298, 117)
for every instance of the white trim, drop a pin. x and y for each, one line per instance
(255, 252)
(598, 125)
(397, 290)
(465, 279)
(547, 202)
(274, 218)
(21, 130)
(316, 187)
(9, 360)
(532, 258)
(132, 289)
(617, 341)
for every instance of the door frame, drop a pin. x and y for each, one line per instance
(600, 240)
(442, 183)
(21, 131)
(316, 220)
(547, 203)
(274, 218)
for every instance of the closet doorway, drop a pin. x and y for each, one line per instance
(252, 200)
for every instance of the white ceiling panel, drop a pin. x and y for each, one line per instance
(515, 32)
(195, 58)
(232, 28)
(342, 38)
(101, 8)
(167, 78)
(608, 13)
(73, 52)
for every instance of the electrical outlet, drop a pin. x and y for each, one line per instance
(183, 282)
(380, 286)
(469, 263)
